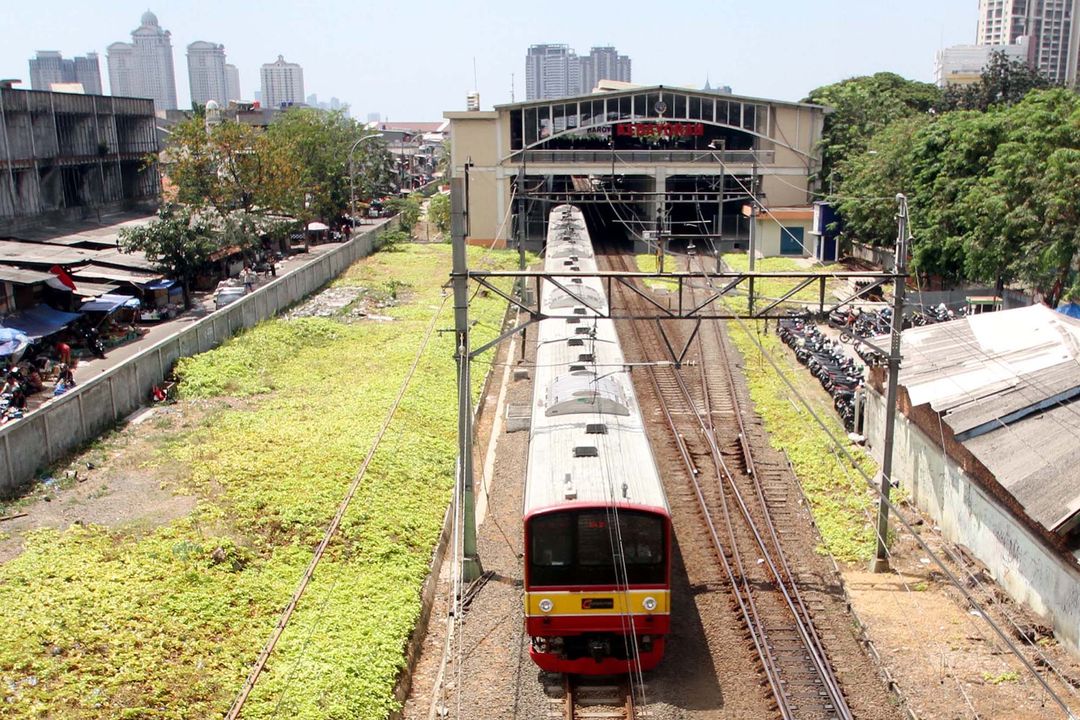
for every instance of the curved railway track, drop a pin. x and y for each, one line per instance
(705, 419)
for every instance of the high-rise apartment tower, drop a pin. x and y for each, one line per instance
(282, 83)
(144, 67)
(1052, 25)
(49, 67)
(206, 73)
(554, 71)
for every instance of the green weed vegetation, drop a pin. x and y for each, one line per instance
(166, 623)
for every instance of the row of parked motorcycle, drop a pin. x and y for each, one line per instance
(839, 374)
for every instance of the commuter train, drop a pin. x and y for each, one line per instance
(596, 520)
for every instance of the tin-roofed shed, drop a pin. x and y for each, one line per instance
(988, 444)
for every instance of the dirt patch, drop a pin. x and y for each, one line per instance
(946, 658)
(122, 480)
(349, 303)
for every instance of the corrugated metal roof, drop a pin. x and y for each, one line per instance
(18, 276)
(19, 253)
(1004, 383)
(104, 272)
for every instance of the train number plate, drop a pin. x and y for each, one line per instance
(597, 603)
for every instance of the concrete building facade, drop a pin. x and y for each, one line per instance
(1052, 25)
(232, 83)
(282, 83)
(49, 67)
(144, 67)
(643, 159)
(73, 154)
(963, 64)
(207, 73)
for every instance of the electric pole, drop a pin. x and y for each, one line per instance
(471, 568)
(881, 558)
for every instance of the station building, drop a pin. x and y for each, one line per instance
(644, 162)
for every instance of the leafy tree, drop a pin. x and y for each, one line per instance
(995, 195)
(439, 213)
(1004, 81)
(862, 106)
(180, 243)
(407, 209)
(320, 143)
(1024, 213)
(231, 167)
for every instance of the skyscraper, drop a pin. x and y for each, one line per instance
(282, 83)
(50, 67)
(553, 71)
(144, 67)
(232, 82)
(1052, 25)
(206, 73)
(603, 63)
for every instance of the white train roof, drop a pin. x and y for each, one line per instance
(588, 442)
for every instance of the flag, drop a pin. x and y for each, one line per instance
(62, 281)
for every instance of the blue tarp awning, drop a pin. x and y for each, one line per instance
(1070, 309)
(160, 284)
(109, 303)
(39, 321)
(12, 341)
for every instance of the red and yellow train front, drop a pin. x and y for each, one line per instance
(597, 587)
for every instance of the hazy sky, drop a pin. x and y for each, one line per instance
(412, 60)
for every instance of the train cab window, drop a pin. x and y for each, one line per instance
(641, 537)
(576, 548)
(552, 540)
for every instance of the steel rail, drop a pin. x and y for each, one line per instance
(784, 578)
(743, 597)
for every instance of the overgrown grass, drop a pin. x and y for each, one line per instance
(647, 262)
(841, 502)
(103, 623)
(774, 288)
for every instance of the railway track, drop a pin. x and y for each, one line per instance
(737, 502)
(600, 699)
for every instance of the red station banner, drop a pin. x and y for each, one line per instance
(660, 129)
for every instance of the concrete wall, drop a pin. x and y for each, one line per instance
(50, 432)
(1029, 571)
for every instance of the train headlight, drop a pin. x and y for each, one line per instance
(649, 603)
(546, 605)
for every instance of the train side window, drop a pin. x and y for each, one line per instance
(552, 540)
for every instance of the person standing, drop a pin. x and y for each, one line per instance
(249, 279)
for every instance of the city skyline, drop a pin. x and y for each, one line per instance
(809, 48)
(556, 70)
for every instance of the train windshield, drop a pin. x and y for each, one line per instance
(577, 548)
